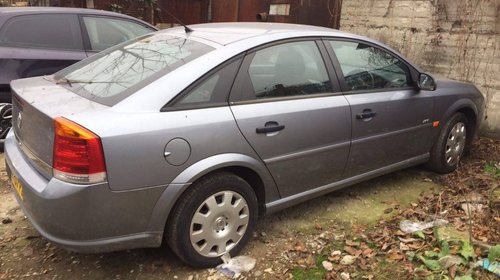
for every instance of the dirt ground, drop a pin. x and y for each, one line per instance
(289, 244)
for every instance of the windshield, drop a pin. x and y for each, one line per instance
(114, 74)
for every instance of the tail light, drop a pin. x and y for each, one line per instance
(78, 154)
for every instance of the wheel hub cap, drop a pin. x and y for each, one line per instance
(455, 143)
(219, 223)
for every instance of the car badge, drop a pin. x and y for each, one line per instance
(19, 120)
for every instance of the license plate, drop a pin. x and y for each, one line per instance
(17, 186)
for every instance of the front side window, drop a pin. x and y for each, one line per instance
(108, 77)
(47, 31)
(365, 67)
(289, 69)
(104, 32)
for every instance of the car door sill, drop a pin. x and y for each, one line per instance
(285, 202)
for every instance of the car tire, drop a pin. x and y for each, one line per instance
(202, 226)
(451, 145)
(5, 122)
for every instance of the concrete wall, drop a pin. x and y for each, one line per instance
(457, 39)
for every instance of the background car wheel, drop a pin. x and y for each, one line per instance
(5, 122)
(214, 216)
(450, 145)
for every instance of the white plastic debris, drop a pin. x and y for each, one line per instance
(336, 253)
(493, 267)
(408, 226)
(345, 276)
(347, 260)
(470, 208)
(327, 265)
(233, 267)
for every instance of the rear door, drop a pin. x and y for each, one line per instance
(391, 117)
(38, 44)
(291, 113)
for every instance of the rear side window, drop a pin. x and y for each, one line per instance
(288, 69)
(112, 75)
(211, 90)
(203, 93)
(51, 31)
(105, 32)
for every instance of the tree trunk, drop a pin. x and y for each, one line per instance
(152, 15)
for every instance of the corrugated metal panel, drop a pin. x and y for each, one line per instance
(224, 10)
(313, 12)
(70, 3)
(250, 8)
(189, 12)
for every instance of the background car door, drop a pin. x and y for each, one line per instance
(390, 116)
(41, 44)
(287, 108)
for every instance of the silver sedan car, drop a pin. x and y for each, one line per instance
(186, 136)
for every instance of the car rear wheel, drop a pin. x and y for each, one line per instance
(214, 216)
(450, 145)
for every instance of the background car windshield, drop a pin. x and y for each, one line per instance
(104, 32)
(112, 76)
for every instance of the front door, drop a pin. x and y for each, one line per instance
(391, 117)
(291, 113)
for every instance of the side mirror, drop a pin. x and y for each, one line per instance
(426, 82)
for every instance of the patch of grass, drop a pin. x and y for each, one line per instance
(315, 273)
(307, 229)
(493, 168)
(301, 273)
(385, 270)
(371, 244)
(367, 202)
(494, 253)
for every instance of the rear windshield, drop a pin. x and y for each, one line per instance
(116, 73)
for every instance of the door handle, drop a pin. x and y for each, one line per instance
(367, 114)
(270, 127)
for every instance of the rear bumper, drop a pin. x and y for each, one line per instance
(83, 218)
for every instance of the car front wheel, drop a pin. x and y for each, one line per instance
(215, 216)
(450, 145)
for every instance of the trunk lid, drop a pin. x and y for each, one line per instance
(36, 103)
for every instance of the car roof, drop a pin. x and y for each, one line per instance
(230, 32)
(62, 10)
(251, 34)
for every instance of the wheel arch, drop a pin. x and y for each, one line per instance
(471, 116)
(246, 167)
(253, 179)
(469, 109)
